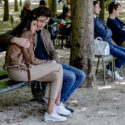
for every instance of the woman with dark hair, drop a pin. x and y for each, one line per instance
(22, 65)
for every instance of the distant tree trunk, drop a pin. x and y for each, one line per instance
(6, 10)
(20, 2)
(50, 4)
(16, 5)
(102, 6)
(108, 2)
(54, 8)
(82, 55)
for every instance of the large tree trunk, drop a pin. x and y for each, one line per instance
(16, 5)
(6, 11)
(82, 55)
(102, 6)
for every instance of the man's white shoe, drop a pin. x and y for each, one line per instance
(117, 76)
(54, 117)
(62, 110)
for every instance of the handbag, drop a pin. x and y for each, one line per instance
(101, 47)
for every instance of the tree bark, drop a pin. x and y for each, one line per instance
(54, 8)
(6, 10)
(20, 2)
(16, 5)
(108, 2)
(50, 4)
(82, 55)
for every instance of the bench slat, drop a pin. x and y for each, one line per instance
(9, 88)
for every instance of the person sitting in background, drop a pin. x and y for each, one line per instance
(117, 26)
(101, 30)
(65, 27)
(26, 11)
(66, 7)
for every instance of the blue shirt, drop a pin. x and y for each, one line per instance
(40, 51)
(117, 29)
(101, 30)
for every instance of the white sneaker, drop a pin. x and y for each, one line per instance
(54, 117)
(117, 76)
(62, 110)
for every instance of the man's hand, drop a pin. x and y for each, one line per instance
(51, 61)
(23, 42)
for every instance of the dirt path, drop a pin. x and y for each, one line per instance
(103, 105)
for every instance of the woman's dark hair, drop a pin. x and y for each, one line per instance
(24, 25)
(95, 2)
(42, 11)
(112, 6)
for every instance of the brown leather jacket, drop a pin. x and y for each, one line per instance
(5, 40)
(19, 56)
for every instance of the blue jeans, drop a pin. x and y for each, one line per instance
(118, 52)
(72, 78)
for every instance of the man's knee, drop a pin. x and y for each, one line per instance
(82, 75)
(69, 77)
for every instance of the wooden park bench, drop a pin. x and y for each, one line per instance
(6, 85)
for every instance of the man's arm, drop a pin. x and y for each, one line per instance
(121, 23)
(6, 39)
(102, 29)
(115, 28)
(53, 54)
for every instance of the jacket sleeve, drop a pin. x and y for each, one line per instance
(53, 54)
(115, 28)
(121, 23)
(101, 28)
(29, 52)
(5, 39)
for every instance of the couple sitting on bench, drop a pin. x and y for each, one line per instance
(101, 30)
(33, 57)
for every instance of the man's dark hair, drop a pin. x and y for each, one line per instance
(42, 11)
(95, 2)
(42, 2)
(112, 6)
